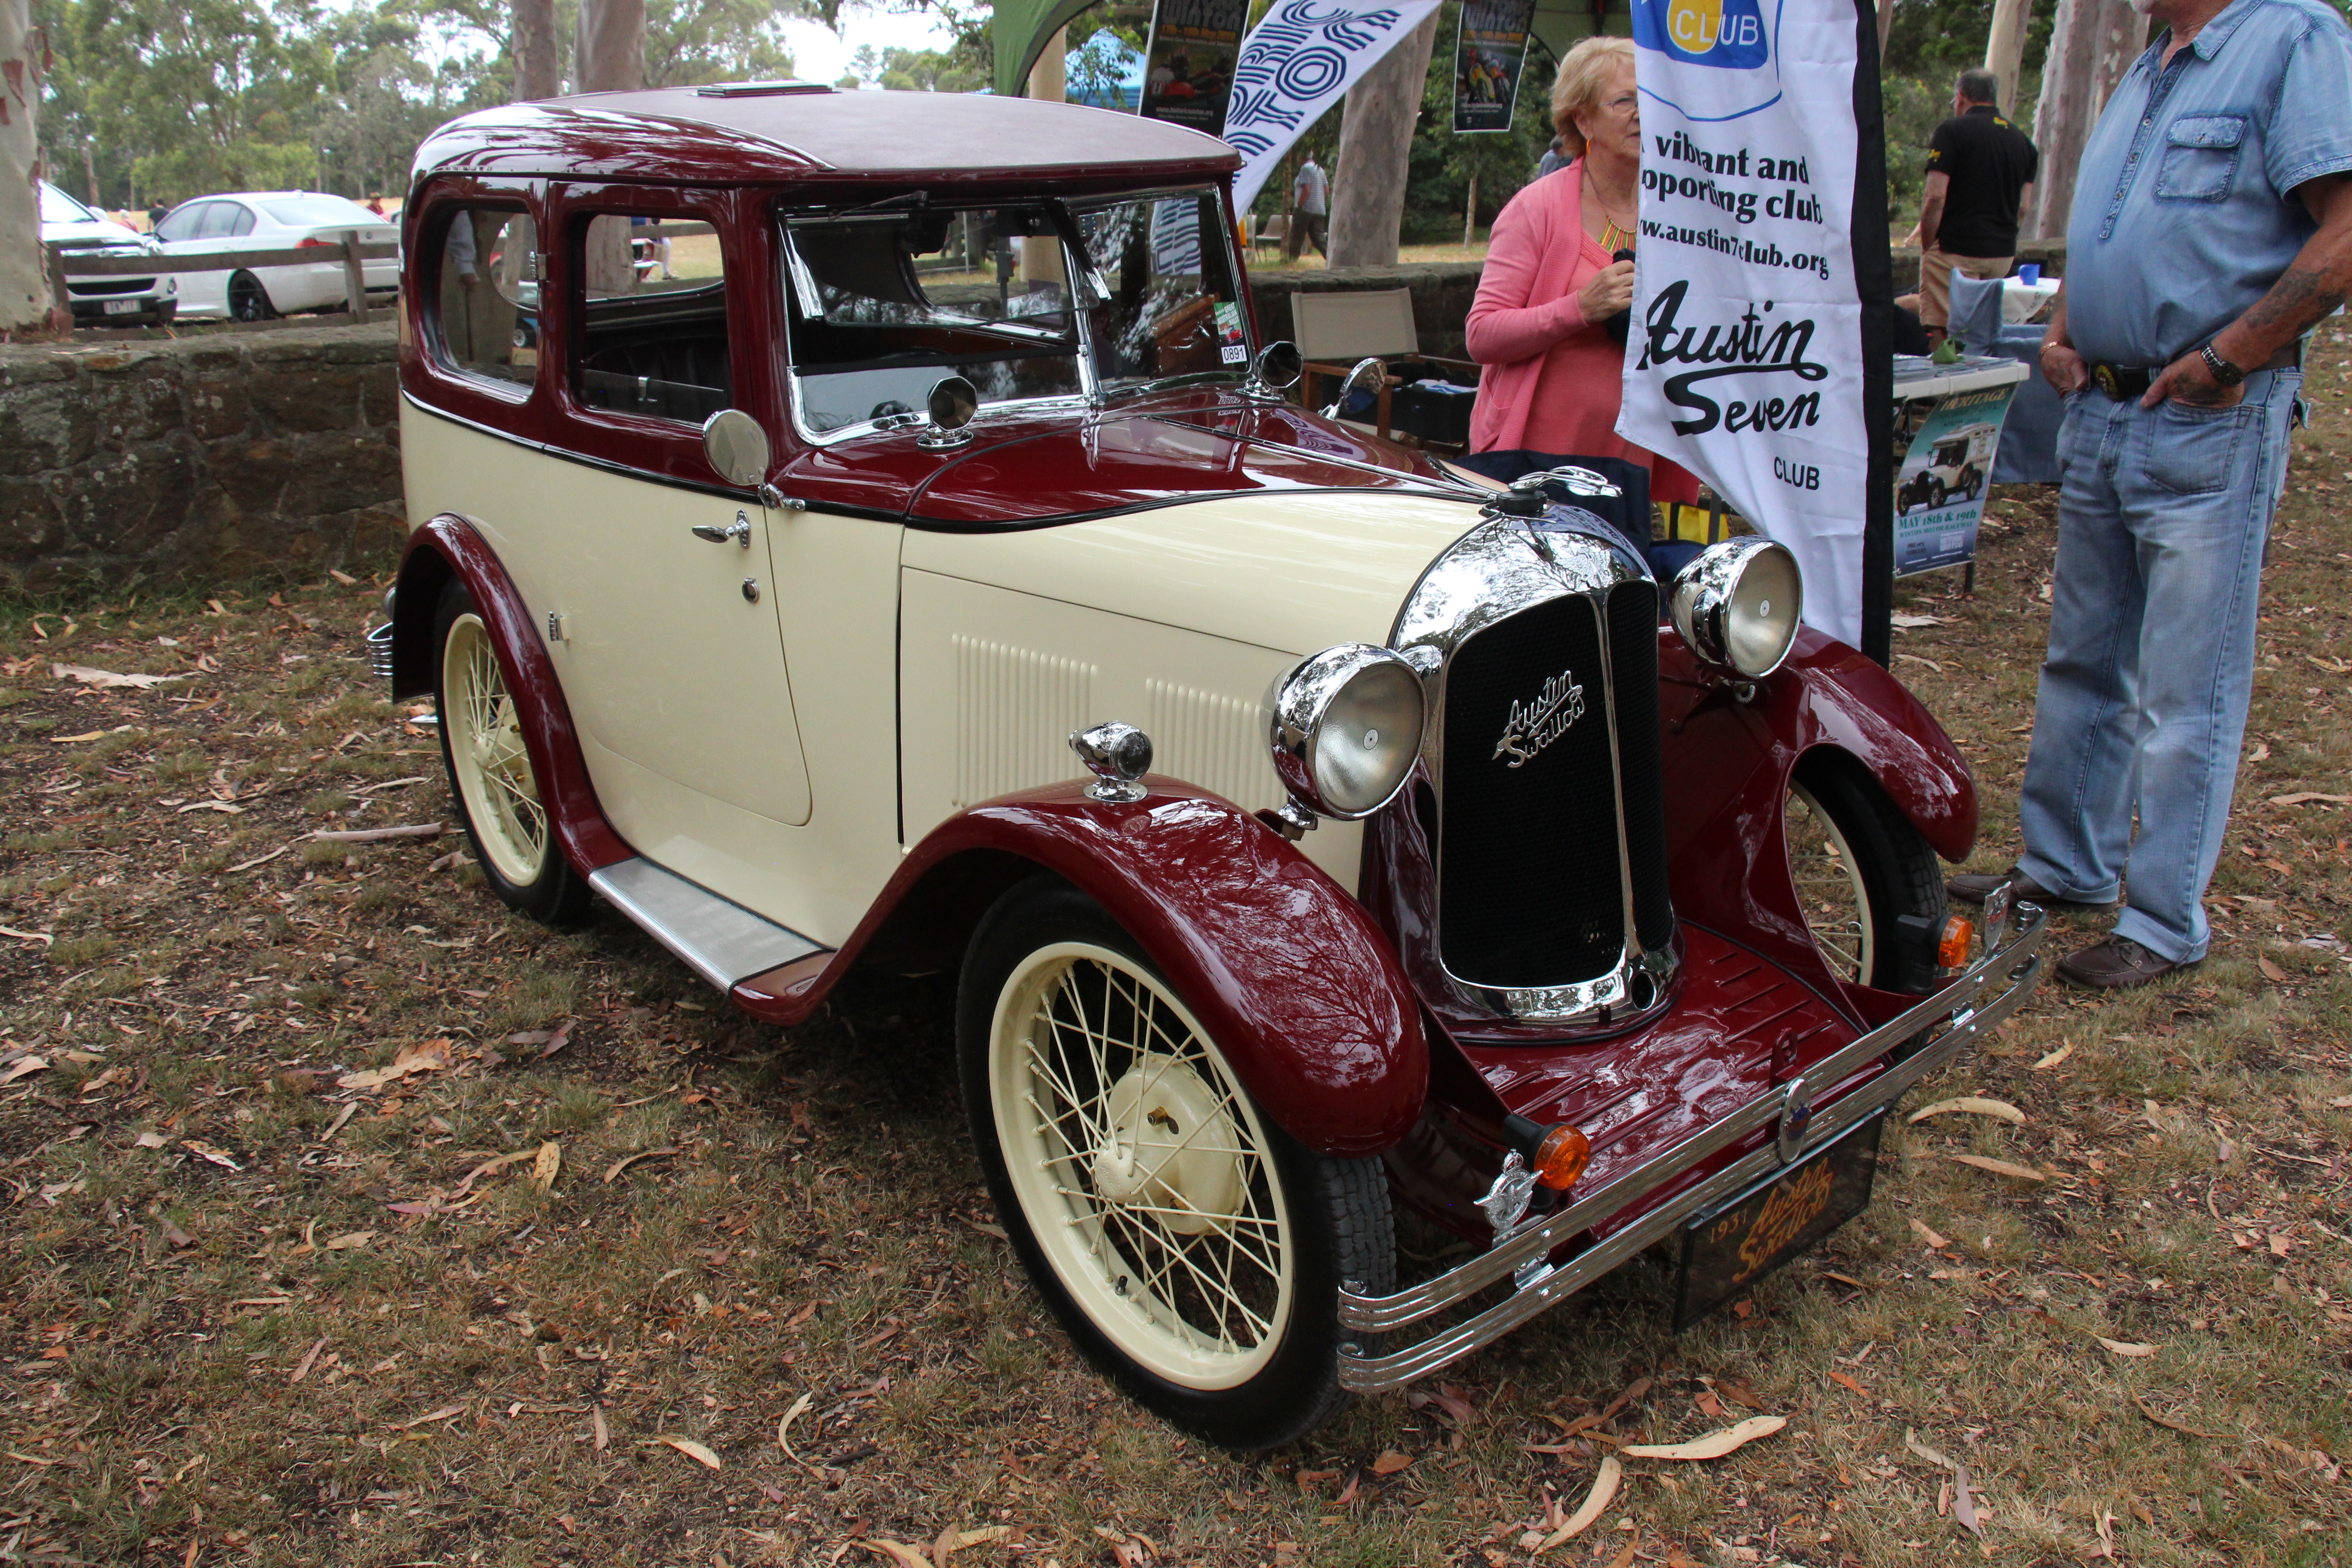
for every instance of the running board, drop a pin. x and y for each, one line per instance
(720, 941)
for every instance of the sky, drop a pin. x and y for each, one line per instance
(819, 54)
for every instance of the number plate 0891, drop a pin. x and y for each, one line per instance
(1727, 1249)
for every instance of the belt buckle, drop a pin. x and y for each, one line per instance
(2105, 374)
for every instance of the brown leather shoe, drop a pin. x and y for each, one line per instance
(1975, 886)
(2115, 964)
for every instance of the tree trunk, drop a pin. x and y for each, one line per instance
(1041, 262)
(609, 53)
(26, 299)
(1375, 143)
(1470, 215)
(2092, 44)
(539, 62)
(2005, 48)
(1885, 21)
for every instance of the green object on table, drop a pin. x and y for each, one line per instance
(1947, 352)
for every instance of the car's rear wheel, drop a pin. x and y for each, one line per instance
(1869, 884)
(490, 769)
(249, 301)
(1191, 1249)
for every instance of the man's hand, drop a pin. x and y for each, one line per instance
(468, 279)
(2063, 368)
(1610, 291)
(2187, 380)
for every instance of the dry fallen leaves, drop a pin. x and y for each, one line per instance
(1999, 1167)
(544, 1165)
(350, 1242)
(897, 1551)
(1933, 1239)
(106, 679)
(695, 1451)
(1714, 1445)
(2305, 797)
(1974, 1105)
(2055, 1058)
(207, 1151)
(431, 1057)
(2125, 1347)
(1390, 1462)
(1596, 1502)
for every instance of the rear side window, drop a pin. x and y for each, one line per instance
(653, 318)
(183, 222)
(220, 220)
(488, 304)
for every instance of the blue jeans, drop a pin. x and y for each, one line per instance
(2162, 516)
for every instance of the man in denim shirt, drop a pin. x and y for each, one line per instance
(2211, 228)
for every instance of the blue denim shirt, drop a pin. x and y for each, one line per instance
(2184, 214)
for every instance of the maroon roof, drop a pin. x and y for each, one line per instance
(800, 133)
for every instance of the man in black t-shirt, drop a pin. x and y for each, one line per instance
(1979, 170)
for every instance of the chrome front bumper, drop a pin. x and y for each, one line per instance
(1972, 1004)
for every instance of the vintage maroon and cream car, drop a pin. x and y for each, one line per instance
(864, 531)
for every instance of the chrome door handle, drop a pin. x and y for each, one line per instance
(740, 531)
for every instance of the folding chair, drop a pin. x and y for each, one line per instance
(1336, 328)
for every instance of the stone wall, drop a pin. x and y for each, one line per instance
(209, 457)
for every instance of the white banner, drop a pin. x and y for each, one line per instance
(1295, 62)
(1745, 363)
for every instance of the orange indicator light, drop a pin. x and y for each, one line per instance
(1952, 952)
(1561, 1157)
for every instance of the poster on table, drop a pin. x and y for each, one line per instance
(1490, 55)
(1299, 60)
(1939, 491)
(1188, 63)
(1745, 363)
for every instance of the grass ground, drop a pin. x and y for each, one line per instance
(458, 1315)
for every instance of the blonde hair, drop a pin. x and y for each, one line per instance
(1584, 74)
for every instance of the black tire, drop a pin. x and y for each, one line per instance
(1936, 494)
(249, 301)
(1335, 1216)
(540, 882)
(1903, 898)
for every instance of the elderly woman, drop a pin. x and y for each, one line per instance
(1557, 269)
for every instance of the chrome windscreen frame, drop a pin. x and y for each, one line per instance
(1972, 1004)
(1501, 567)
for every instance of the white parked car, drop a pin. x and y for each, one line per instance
(134, 300)
(273, 220)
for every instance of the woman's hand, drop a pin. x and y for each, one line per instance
(1610, 291)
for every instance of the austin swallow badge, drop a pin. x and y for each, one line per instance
(1506, 1203)
(1534, 725)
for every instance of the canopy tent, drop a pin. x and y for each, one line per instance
(1024, 28)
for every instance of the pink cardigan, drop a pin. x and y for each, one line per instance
(1526, 319)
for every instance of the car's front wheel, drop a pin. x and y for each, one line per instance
(1192, 1249)
(490, 770)
(249, 301)
(1869, 884)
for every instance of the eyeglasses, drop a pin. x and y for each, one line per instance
(1625, 103)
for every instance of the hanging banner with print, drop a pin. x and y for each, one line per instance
(1188, 66)
(1489, 56)
(1300, 58)
(1747, 361)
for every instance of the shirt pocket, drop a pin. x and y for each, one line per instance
(2200, 158)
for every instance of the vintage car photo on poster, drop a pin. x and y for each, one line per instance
(923, 572)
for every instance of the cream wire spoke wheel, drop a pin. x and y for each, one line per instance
(1141, 1167)
(1830, 887)
(493, 771)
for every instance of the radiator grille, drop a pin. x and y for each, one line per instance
(1633, 671)
(1529, 894)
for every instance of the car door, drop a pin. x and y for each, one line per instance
(668, 640)
(182, 236)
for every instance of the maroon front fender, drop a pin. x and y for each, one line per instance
(1727, 767)
(449, 546)
(1279, 963)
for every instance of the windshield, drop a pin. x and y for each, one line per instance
(301, 212)
(59, 207)
(884, 303)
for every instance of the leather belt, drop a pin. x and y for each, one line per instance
(2120, 382)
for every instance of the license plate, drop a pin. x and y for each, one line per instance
(1727, 1249)
(125, 307)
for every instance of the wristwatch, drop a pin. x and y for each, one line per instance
(2223, 371)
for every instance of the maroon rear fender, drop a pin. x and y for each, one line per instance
(449, 546)
(1278, 963)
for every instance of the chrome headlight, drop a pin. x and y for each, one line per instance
(1344, 726)
(1737, 604)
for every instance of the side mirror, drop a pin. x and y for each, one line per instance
(1366, 374)
(735, 447)
(952, 402)
(1275, 371)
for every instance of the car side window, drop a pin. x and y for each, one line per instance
(220, 221)
(244, 224)
(488, 303)
(183, 222)
(651, 303)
